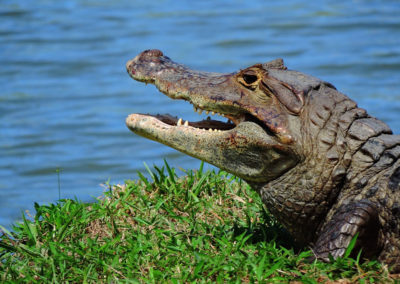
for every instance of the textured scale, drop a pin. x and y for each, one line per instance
(323, 167)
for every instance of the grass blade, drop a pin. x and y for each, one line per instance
(170, 172)
(149, 171)
(66, 225)
(30, 229)
(351, 246)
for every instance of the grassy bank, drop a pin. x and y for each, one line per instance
(205, 226)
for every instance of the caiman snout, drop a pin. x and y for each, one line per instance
(148, 65)
(147, 55)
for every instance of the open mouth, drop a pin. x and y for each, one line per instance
(209, 124)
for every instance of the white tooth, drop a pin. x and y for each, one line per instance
(215, 130)
(209, 130)
(212, 113)
(200, 111)
(219, 131)
(223, 115)
(179, 122)
(186, 123)
(207, 112)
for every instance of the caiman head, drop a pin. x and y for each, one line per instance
(262, 104)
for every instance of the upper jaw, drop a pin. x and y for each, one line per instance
(179, 82)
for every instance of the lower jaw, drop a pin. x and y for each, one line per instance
(242, 150)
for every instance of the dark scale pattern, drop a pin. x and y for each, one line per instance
(394, 180)
(324, 167)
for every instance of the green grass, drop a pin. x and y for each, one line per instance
(202, 227)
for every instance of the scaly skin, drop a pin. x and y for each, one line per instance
(323, 167)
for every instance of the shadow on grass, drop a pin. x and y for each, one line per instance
(268, 229)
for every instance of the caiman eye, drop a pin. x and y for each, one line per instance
(250, 78)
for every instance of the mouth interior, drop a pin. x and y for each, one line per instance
(212, 124)
(206, 124)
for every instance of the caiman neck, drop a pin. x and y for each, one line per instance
(344, 149)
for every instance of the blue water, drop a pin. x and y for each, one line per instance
(64, 91)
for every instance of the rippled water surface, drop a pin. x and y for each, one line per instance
(64, 91)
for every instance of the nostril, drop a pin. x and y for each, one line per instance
(152, 53)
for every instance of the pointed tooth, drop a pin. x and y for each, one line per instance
(215, 130)
(209, 130)
(179, 122)
(223, 115)
(207, 112)
(212, 113)
(186, 123)
(200, 111)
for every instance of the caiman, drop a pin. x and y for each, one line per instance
(324, 168)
